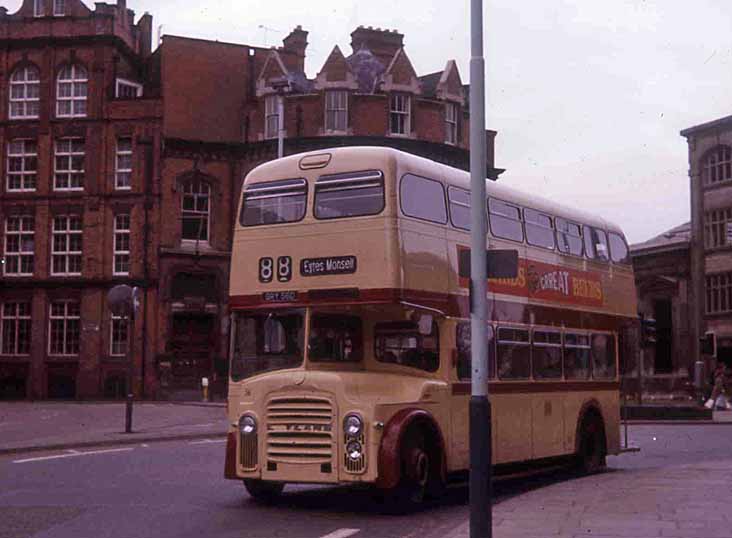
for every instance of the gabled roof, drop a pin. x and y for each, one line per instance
(400, 68)
(336, 72)
(274, 68)
(673, 239)
(367, 69)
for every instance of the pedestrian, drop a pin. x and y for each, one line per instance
(719, 390)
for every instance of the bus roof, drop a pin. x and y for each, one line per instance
(273, 170)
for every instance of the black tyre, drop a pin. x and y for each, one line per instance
(264, 491)
(418, 478)
(592, 454)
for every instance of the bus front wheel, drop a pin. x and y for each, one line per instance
(264, 491)
(418, 478)
(591, 457)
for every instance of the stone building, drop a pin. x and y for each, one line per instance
(123, 165)
(663, 282)
(710, 174)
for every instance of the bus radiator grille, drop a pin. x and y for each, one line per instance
(299, 430)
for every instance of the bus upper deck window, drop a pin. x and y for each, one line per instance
(596, 243)
(459, 207)
(335, 338)
(423, 198)
(274, 202)
(505, 220)
(539, 229)
(569, 237)
(349, 195)
(618, 248)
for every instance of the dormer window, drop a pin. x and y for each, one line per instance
(126, 89)
(336, 111)
(59, 8)
(399, 114)
(451, 123)
(271, 116)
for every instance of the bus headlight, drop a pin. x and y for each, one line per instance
(354, 450)
(247, 425)
(352, 425)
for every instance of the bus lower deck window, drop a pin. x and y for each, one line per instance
(576, 356)
(603, 356)
(547, 355)
(401, 343)
(514, 353)
(335, 338)
(463, 345)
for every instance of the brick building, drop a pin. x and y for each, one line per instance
(122, 165)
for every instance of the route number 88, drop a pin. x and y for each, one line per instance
(267, 269)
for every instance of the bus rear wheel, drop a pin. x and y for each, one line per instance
(592, 454)
(264, 491)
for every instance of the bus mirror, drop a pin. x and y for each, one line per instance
(424, 324)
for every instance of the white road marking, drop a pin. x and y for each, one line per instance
(341, 533)
(72, 451)
(74, 455)
(207, 441)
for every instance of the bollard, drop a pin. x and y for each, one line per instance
(204, 386)
(699, 380)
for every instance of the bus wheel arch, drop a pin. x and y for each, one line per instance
(590, 439)
(411, 440)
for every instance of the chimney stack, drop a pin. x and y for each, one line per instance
(384, 44)
(296, 43)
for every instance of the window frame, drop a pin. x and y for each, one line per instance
(551, 228)
(24, 173)
(520, 219)
(400, 112)
(406, 329)
(717, 163)
(26, 101)
(119, 171)
(39, 8)
(559, 346)
(79, 75)
(59, 8)
(622, 261)
(459, 203)
(269, 114)
(16, 319)
(586, 237)
(718, 291)
(444, 199)
(118, 254)
(193, 212)
(65, 318)
(319, 186)
(20, 254)
(69, 172)
(587, 347)
(67, 254)
(122, 82)
(581, 236)
(329, 108)
(451, 123)
(114, 334)
(277, 184)
(526, 343)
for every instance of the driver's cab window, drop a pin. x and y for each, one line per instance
(400, 342)
(335, 338)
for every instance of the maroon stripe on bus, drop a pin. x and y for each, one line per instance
(527, 387)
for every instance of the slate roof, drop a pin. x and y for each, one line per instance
(675, 238)
(429, 84)
(366, 68)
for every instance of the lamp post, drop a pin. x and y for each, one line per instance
(123, 302)
(281, 85)
(481, 525)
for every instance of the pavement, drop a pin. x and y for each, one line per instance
(32, 426)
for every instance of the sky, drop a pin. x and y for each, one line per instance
(588, 96)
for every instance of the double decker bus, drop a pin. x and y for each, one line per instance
(350, 330)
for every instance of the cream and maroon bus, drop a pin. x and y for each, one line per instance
(350, 330)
